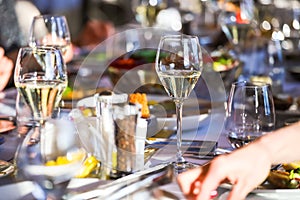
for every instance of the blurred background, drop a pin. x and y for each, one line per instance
(275, 24)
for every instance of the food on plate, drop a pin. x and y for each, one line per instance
(223, 61)
(141, 98)
(63, 160)
(288, 178)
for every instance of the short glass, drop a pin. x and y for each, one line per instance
(250, 112)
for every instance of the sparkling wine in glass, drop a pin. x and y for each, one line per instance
(250, 112)
(49, 30)
(53, 161)
(179, 65)
(40, 78)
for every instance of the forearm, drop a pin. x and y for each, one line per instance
(282, 144)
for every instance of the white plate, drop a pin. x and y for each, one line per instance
(263, 191)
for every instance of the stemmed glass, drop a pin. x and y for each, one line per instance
(49, 30)
(250, 112)
(238, 21)
(53, 161)
(179, 65)
(40, 78)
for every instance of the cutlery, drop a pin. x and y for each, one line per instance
(189, 146)
(149, 178)
(191, 143)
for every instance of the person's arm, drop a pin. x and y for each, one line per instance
(6, 69)
(245, 168)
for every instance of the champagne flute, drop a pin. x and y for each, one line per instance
(40, 78)
(179, 65)
(250, 112)
(49, 30)
(53, 161)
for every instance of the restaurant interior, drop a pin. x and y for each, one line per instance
(112, 99)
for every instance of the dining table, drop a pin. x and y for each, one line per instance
(209, 128)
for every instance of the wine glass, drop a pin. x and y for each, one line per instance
(146, 11)
(238, 21)
(49, 30)
(179, 65)
(40, 78)
(250, 112)
(53, 161)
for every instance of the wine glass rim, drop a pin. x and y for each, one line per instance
(40, 49)
(49, 16)
(179, 36)
(251, 84)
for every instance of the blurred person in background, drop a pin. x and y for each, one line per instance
(16, 17)
(90, 21)
(6, 69)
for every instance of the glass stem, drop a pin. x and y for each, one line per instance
(179, 105)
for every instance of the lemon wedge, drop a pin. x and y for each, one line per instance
(89, 165)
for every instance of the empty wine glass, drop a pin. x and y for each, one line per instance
(250, 112)
(238, 22)
(53, 161)
(40, 78)
(179, 65)
(49, 30)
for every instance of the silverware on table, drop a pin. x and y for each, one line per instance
(149, 178)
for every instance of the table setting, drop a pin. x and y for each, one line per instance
(125, 119)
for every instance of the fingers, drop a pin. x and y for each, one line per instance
(186, 180)
(216, 173)
(239, 191)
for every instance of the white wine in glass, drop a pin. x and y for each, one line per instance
(179, 65)
(40, 78)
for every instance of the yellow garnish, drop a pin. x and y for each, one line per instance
(62, 160)
(89, 165)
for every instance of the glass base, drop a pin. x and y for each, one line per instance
(180, 167)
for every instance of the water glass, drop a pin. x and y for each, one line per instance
(250, 112)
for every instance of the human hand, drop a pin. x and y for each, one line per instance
(6, 69)
(244, 168)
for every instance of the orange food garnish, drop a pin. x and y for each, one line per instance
(142, 100)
